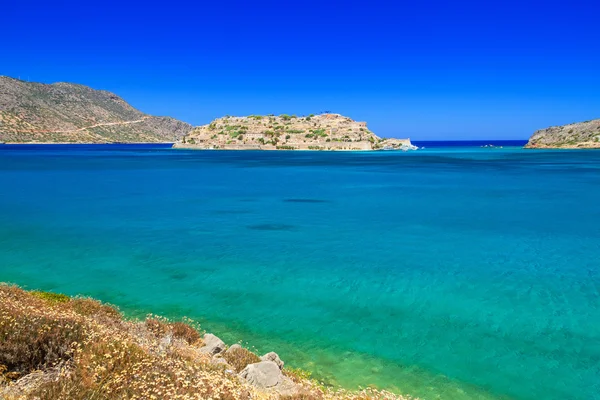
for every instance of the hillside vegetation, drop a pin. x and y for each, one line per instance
(71, 113)
(56, 347)
(580, 135)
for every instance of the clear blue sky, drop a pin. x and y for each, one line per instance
(422, 69)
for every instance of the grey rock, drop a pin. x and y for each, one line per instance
(265, 374)
(212, 344)
(272, 356)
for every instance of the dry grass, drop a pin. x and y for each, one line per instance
(56, 347)
(240, 358)
(31, 339)
(302, 396)
(101, 356)
(296, 374)
(160, 327)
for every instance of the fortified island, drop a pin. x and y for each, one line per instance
(581, 135)
(288, 132)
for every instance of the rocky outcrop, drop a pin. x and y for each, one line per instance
(582, 135)
(265, 374)
(288, 132)
(69, 113)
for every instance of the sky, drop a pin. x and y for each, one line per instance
(428, 70)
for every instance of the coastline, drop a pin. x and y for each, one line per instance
(273, 149)
(85, 143)
(423, 384)
(235, 369)
(581, 146)
(198, 148)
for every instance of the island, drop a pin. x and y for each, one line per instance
(289, 132)
(581, 135)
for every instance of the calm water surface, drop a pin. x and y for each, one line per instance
(450, 272)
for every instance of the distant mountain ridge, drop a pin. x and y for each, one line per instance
(71, 113)
(581, 135)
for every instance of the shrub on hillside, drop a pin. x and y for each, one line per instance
(240, 357)
(34, 340)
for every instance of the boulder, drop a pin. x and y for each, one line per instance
(272, 356)
(265, 374)
(212, 344)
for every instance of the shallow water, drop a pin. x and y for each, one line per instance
(452, 273)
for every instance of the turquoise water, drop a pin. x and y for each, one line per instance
(455, 273)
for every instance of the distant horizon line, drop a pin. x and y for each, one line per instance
(168, 143)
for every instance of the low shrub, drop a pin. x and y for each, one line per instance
(296, 374)
(161, 327)
(157, 326)
(31, 342)
(239, 358)
(182, 330)
(302, 396)
(51, 297)
(94, 308)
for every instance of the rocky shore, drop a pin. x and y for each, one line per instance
(289, 132)
(57, 347)
(582, 135)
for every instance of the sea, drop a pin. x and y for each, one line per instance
(457, 271)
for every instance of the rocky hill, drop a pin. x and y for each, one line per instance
(288, 132)
(573, 136)
(70, 113)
